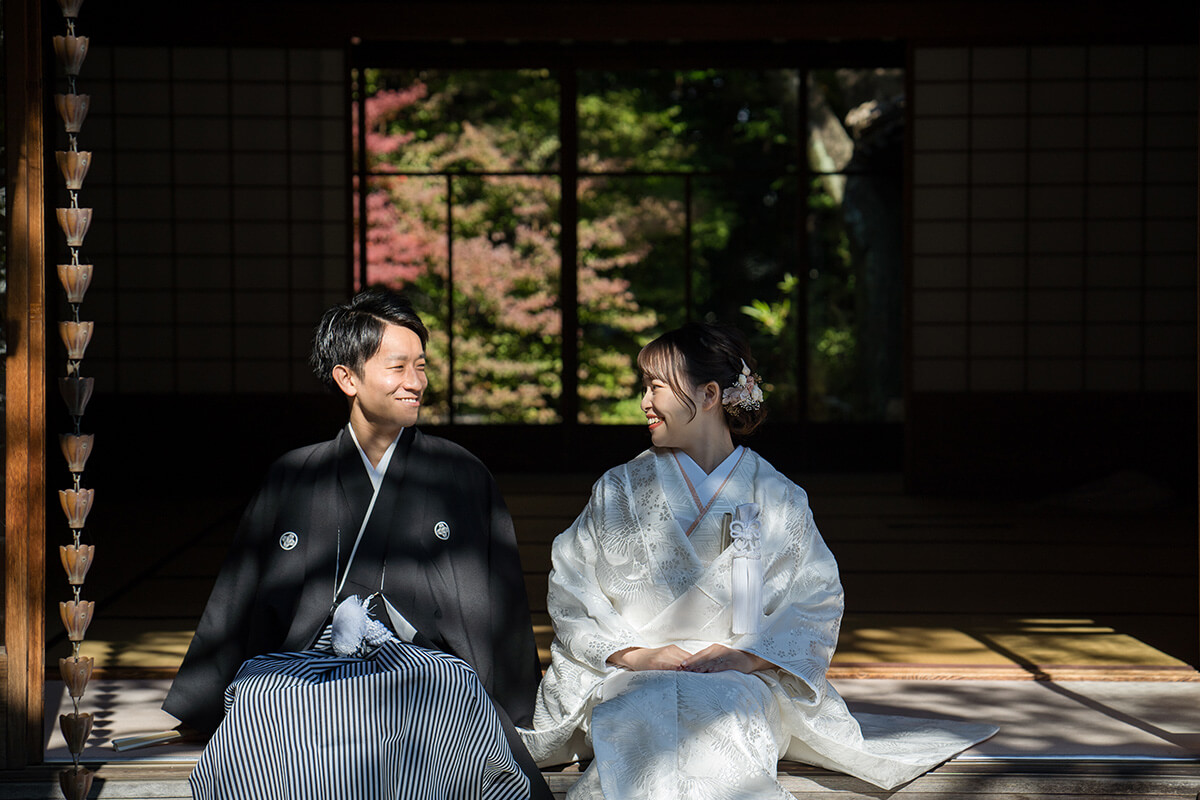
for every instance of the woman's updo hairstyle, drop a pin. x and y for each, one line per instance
(697, 353)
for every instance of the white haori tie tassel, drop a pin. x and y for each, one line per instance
(747, 578)
(354, 632)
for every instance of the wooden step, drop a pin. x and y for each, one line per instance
(993, 779)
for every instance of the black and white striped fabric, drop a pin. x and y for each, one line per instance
(401, 723)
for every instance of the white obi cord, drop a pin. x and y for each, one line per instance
(747, 575)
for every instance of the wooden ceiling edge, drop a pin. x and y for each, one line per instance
(278, 23)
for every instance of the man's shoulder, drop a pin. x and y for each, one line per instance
(302, 458)
(305, 454)
(432, 446)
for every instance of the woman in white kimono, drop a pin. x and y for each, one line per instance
(696, 608)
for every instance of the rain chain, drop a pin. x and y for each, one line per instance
(71, 49)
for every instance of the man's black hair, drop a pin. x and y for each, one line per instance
(351, 333)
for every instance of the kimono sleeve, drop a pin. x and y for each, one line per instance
(802, 595)
(586, 623)
(221, 643)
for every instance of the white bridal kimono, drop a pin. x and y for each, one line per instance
(643, 566)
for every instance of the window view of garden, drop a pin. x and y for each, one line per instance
(768, 198)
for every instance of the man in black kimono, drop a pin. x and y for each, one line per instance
(382, 509)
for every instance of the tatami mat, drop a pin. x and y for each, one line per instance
(983, 646)
(995, 640)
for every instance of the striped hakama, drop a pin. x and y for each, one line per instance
(401, 722)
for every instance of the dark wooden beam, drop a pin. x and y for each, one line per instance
(306, 24)
(25, 373)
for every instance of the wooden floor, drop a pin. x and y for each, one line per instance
(1023, 780)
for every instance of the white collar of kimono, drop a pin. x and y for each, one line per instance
(705, 486)
(400, 625)
(377, 472)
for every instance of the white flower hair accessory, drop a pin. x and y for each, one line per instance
(745, 394)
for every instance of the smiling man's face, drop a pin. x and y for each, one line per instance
(388, 391)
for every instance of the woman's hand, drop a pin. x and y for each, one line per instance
(719, 658)
(644, 658)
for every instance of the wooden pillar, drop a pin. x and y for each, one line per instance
(25, 447)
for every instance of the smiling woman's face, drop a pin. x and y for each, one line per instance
(668, 417)
(388, 392)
